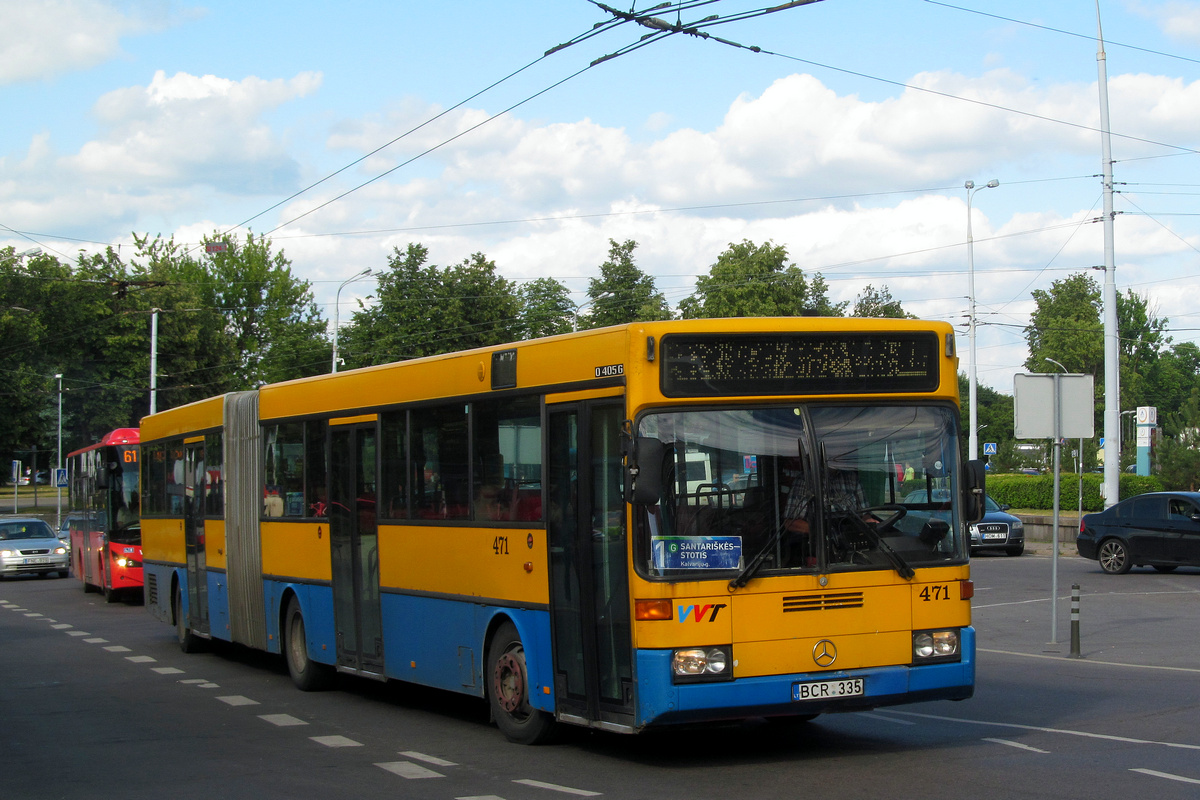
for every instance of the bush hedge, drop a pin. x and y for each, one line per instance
(1037, 491)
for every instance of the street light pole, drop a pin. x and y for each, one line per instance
(57, 489)
(972, 402)
(592, 302)
(337, 298)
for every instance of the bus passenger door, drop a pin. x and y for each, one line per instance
(193, 537)
(589, 595)
(354, 547)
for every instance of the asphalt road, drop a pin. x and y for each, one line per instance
(97, 699)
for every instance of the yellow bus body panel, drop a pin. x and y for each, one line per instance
(214, 544)
(185, 420)
(162, 541)
(295, 550)
(466, 562)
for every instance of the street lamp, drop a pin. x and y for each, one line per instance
(336, 300)
(57, 489)
(592, 302)
(972, 402)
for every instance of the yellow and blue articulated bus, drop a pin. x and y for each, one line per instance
(636, 526)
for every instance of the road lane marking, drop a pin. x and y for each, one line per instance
(1156, 774)
(61, 626)
(892, 720)
(335, 741)
(117, 648)
(238, 700)
(437, 762)
(167, 670)
(141, 659)
(282, 720)
(1089, 661)
(407, 769)
(556, 788)
(78, 633)
(33, 614)
(1017, 745)
(194, 680)
(1108, 737)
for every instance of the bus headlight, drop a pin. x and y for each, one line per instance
(690, 664)
(935, 645)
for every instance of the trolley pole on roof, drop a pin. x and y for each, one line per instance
(153, 360)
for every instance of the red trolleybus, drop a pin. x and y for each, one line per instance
(651, 524)
(106, 535)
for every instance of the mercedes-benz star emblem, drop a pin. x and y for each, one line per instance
(824, 653)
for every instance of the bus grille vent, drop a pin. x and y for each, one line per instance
(152, 589)
(823, 602)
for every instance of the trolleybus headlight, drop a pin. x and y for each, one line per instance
(702, 664)
(929, 645)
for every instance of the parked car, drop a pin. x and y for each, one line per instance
(29, 545)
(1158, 529)
(998, 530)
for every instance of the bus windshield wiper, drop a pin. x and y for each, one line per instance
(755, 564)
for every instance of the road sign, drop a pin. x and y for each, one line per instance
(60, 478)
(989, 448)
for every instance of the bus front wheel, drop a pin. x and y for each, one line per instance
(508, 690)
(308, 675)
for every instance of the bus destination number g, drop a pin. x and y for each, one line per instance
(500, 545)
(930, 593)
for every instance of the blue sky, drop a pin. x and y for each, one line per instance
(178, 118)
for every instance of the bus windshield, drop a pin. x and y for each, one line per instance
(126, 503)
(796, 488)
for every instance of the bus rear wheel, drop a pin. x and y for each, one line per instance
(188, 641)
(508, 690)
(308, 675)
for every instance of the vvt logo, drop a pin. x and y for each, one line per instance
(699, 612)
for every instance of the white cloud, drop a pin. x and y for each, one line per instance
(186, 130)
(42, 38)
(1178, 20)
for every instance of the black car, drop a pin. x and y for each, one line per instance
(1159, 529)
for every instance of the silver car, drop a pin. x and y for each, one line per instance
(29, 545)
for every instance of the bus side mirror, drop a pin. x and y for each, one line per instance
(973, 490)
(645, 471)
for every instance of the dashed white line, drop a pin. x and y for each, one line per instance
(194, 680)
(61, 626)
(95, 640)
(437, 762)
(556, 788)
(238, 700)
(481, 797)
(167, 670)
(1156, 774)
(141, 659)
(335, 741)
(78, 633)
(117, 648)
(1017, 745)
(886, 719)
(33, 614)
(407, 769)
(281, 720)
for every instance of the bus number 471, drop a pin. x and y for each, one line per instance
(935, 593)
(500, 545)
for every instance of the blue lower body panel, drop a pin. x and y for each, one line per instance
(662, 702)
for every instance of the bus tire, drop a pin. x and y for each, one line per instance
(188, 641)
(308, 675)
(508, 690)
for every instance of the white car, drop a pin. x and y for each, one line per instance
(29, 545)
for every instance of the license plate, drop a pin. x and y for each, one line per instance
(37, 561)
(820, 690)
(995, 536)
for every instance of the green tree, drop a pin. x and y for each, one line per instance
(424, 310)
(1066, 327)
(1178, 453)
(546, 308)
(623, 293)
(879, 303)
(756, 280)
